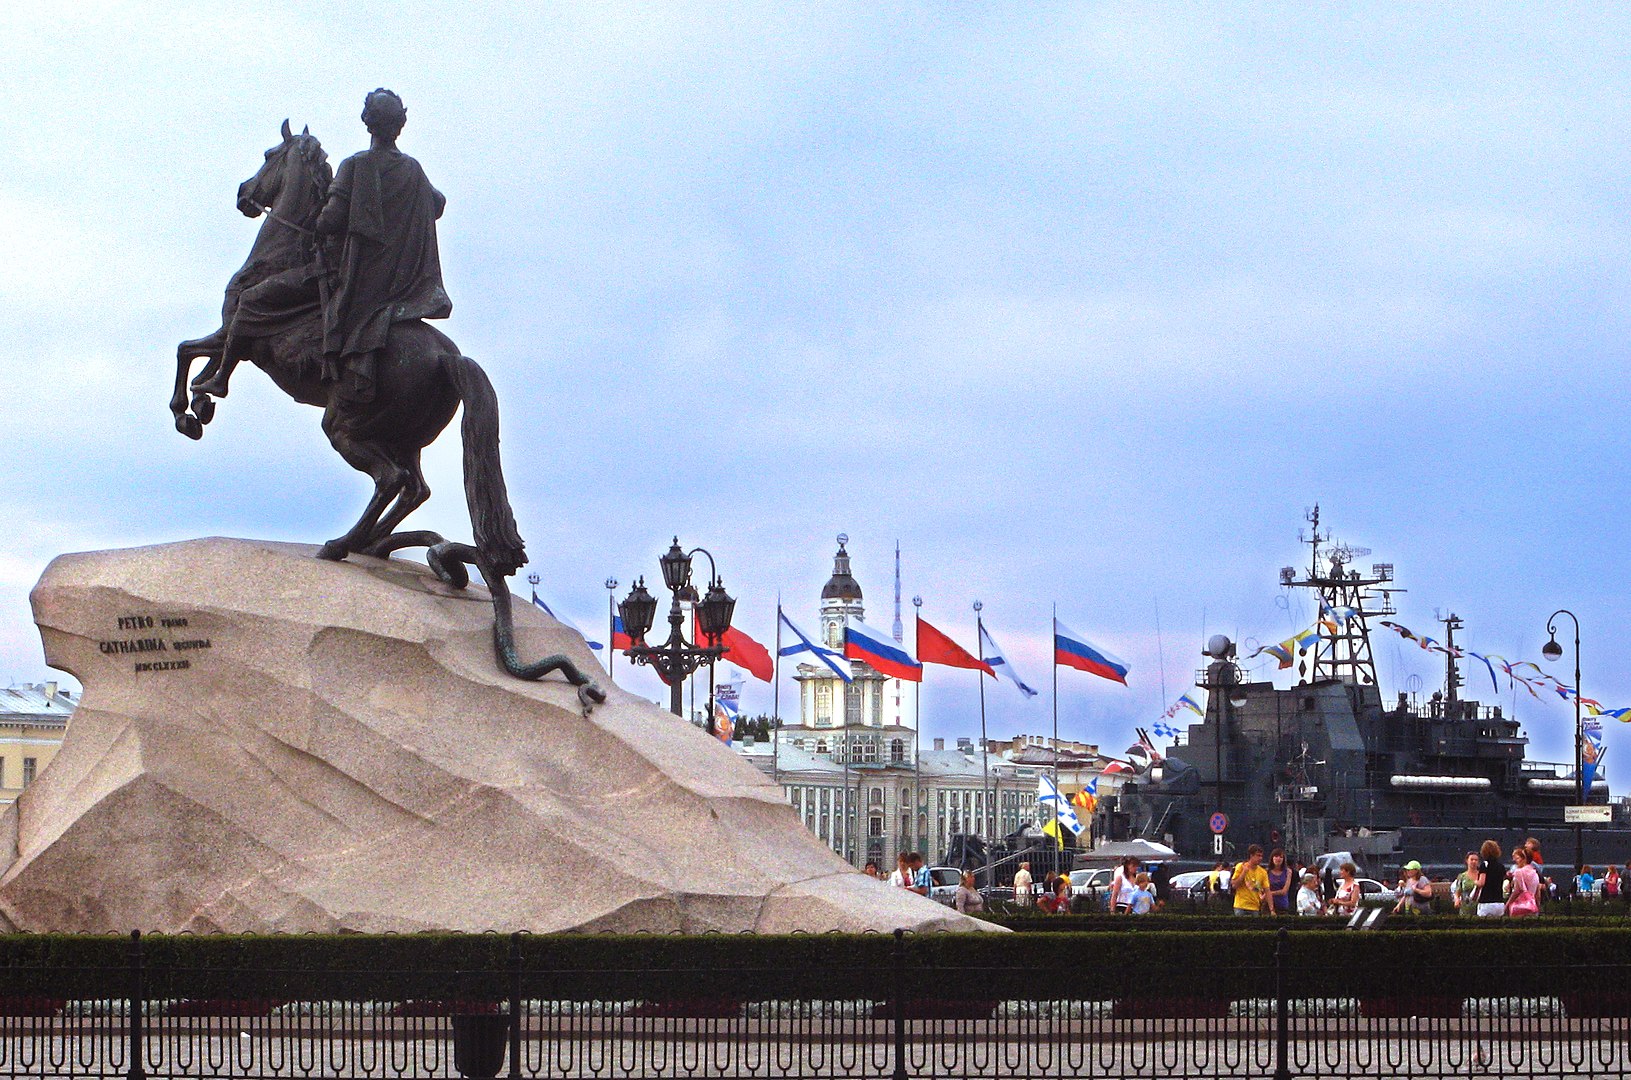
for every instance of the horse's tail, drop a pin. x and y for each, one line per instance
(492, 524)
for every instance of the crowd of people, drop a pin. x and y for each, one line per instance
(1489, 888)
(1491, 885)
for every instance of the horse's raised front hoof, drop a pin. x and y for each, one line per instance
(591, 695)
(204, 407)
(188, 425)
(215, 387)
(333, 551)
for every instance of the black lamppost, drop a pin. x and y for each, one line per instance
(1553, 651)
(675, 659)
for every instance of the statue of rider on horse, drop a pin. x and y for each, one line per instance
(330, 305)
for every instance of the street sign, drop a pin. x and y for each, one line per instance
(1587, 815)
(1220, 822)
(1217, 843)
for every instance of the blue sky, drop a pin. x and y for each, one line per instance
(1082, 304)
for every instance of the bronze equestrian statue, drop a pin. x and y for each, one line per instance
(330, 304)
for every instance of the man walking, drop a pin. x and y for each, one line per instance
(1022, 885)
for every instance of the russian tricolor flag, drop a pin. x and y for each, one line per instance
(1072, 650)
(867, 645)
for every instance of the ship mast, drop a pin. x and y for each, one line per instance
(1343, 654)
(1452, 674)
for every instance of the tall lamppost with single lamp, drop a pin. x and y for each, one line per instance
(1553, 651)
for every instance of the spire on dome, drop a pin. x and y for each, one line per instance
(842, 585)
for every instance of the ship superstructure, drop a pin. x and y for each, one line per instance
(1329, 765)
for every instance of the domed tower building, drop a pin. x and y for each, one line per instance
(857, 726)
(860, 713)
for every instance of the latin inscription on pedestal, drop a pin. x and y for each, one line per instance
(154, 642)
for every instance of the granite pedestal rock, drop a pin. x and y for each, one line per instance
(272, 743)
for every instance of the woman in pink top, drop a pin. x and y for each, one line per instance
(1524, 899)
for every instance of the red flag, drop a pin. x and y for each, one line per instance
(742, 651)
(933, 647)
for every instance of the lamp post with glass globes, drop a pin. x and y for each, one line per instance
(675, 659)
(1552, 651)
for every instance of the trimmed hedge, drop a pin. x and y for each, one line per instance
(1154, 963)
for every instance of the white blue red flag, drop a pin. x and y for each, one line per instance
(880, 650)
(1072, 650)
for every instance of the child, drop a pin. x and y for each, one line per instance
(1142, 900)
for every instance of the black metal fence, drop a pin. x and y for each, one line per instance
(922, 1017)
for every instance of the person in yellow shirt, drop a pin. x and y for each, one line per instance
(1250, 882)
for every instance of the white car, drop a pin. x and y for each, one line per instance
(1092, 886)
(1196, 884)
(1372, 891)
(943, 882)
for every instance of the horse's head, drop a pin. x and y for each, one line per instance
(294, 177)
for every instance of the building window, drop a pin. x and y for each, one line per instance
(877, 796)
(897, 750)
(874, 825)
(823, 703)
(29, 765)
(2, 772)
(869, 750)
(852, 705)
(821, 746)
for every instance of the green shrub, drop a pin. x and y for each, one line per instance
(1158, 960)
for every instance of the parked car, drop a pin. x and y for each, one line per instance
(1191, 885)
(1091, 888)
(943, 882)
(1372, 891)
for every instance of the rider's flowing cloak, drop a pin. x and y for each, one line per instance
(389, 272)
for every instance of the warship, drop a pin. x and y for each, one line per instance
(1329, 765)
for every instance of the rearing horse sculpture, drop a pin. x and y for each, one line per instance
(420, 382)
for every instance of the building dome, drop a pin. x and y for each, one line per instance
(842, 585)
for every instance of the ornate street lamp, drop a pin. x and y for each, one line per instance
(1552, 651)
(675, 659)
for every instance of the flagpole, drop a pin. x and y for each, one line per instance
(611, 624)
(917, 732)
(1059, 833)
(843, 827)
(985, 750)
(1056, 695)
(776, 701)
